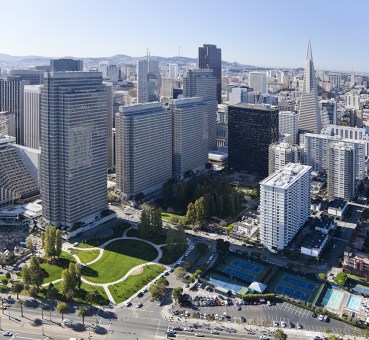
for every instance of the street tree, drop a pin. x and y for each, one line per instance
(179, 273)
(279, 335)
(62, 308)
(16, 288)
(20, 303)
(36, 273)
(222, 247)
(82, 311)
(158, 289)
(177, 293)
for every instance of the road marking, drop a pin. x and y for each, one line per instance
(157, 329)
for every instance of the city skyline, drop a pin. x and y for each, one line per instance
(278, 39)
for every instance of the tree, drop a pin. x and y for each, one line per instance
(93, 297)
(51, 292)
(180, 237)
(58, 243)
(82, 311)
(179, 272)
(62, 308)
(29, 246)
(340, 278)
(181, 193)
(191, 216)
(177, 293)
(68, 284)
(151, 222)
(35, 272)
(279, 335)
(200, 209)
(333, 337)
(167, 192)
(20, 303)
(322, 276)
(170, 240)
(52, 242)
(17, 287)
(157, 289)
(222, 246)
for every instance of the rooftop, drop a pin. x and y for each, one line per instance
(314, 240)
(260, 107)
(286, 176)
(337, 203)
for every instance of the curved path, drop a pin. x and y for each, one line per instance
(101, 249)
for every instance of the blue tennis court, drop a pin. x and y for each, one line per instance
(354, 302)
(251, 267)
(294, 281)
(239, 274)
(361, 289)
(296, 294)
(217, 281)
(333, 299)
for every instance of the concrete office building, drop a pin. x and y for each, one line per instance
(148, 76)
(173, 71)
(143, 148)
(258, 82)
(330, 108)
(65, 64)
(251, 129)
(73, 142)
(281, 154)
(288, 124)
(284, 205)
(341, 170)
(110, 71)
(190, 141)
(110, 119)
(210, 57)
(11, 99)
(35, 77)
(202, 83)
(32, 107)
(309, 114)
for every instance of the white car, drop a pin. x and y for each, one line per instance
(275, 324)
(188, 329)
(264, 337)
(283, 324)
(213, 331)
(7, 333)
(200, 335)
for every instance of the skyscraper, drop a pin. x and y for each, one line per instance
(35, 77)
(144, 148)
(309, 114)
(32, 107)
(62, 65)
(202, 83)
(251, 129)
(147, 80)
(284, 205)
(281, 154)
(210, 57)
(341, 170)
(258, 82)
(73, 142)
(190, 144)
(288, 124)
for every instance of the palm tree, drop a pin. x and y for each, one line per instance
(82, 311)
(17, 287)
(20, 303)
(62, 307)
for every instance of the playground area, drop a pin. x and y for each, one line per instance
(294, 286)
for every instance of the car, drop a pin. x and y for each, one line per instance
(264, 337)
(75, 244)
(292, 325)
(171, 269)
(314, 315)
(7, 305)
(160, 303)
(139, 305)
(145, 290)
(326, 318)
(171, 331)
(140, 294)
(283, 324)
(299, 326)
(213, 331)
(166, 273)
(200, 335)
(168, 333)
(275, 324)
(239, 308)
(128, 304)
(317, 337)
(188, 329)
(177, 328)
(7, 333)
(321, 317)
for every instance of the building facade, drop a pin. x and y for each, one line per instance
(284, 205)
(62, 65)
(251, 129)
(288, 124)
(32, 107)
(210, 57)
(144, 148)
(258, 82)
(280, 154)
(73, 142)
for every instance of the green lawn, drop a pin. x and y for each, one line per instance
(165, 216)
(96, 242)
(124, 290)
(54, 270)
(118, 258)
(87, 256)
(169, 258)
(157, 238)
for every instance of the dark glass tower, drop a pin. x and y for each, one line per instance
(251, 129)
(62, 65)
(210, 57)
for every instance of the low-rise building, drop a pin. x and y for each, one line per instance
(324, 224)
(337, 207)
(314, 243)
(356, 262)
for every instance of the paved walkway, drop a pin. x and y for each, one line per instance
(101, 249)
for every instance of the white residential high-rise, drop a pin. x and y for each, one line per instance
(32, 108)
(147, 80)
(288, 124)
(190, 140)
(341, 170)
(110, 118)
(258, 82)
(309, 114)
(109, 70)
(173, 71)
(315, 150)
(281, 154)
(73, 160)
(143, 148)
(284, 205)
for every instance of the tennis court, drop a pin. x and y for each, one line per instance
(361, 289)
(240, 268)
(354, 302)
(333, 299)
(226, 284)
(294, 286)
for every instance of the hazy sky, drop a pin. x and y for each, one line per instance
(256, 32)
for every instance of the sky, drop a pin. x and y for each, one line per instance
(255, 32)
